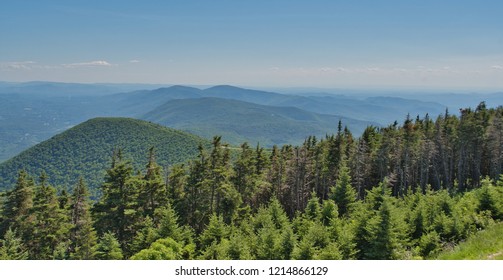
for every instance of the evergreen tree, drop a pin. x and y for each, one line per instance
(147, 234)
(16, 209)
(153, 192)
(329, 212)
(238, 248)
(312, 211)
(380, 235)
(12, 247)
(268, 242)
(177, 180)
(82, 235)
(343, 193)
(168, 223)
(287, 244)
(195, 204)
(117, 211)
(50, 226)
(214, 233)
(245, 171)
(109, 248)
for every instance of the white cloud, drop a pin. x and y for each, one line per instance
(497, 67)
(21, 65)
(134, 61)
(373, 69)
(90, 63)
(342, 69)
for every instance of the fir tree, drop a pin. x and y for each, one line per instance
(109, 248)
(117, 211)
(343, 193)
(50, 225)
(12, 247)
(16, 209)
(82, 235)
(153, 192)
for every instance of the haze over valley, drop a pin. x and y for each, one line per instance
(33, 112)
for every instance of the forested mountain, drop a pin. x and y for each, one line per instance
(85, 150)
(398, 192)
(238, 121)
(33, 112)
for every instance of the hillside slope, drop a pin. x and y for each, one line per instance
(485, 245)
(86, 150)
(239, 121)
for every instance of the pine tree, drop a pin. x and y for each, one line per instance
(343, 193)
(195, 204)
(177, 180)
(109, 248)
(16, 209)
(312, 211)
(214, 232)
(168, 223)
(287, 245)
(147, 234)
(329, 212)
(244, 175)
(153, 192)
(380, 235)
(82, 235)
(12, 247)
(117, 211)
(50, 226)
(218, 180)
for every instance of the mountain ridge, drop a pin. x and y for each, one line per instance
(240, 121)
(86, 150)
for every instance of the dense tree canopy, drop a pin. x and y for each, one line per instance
(397, 192)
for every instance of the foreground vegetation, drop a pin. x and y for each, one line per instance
(396, 193)
(485, 245)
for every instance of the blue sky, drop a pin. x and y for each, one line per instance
(360, 43)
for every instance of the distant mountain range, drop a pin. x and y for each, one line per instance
(33, 112)
(239, 121)
(382, 110)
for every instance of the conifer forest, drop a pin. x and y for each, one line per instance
(409, 190)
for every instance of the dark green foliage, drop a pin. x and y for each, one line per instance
(117, 211)
(82, 234)
(50, 225)
(392, 194)
(153, 191)
(147, 234)
(19, 201)
(85, 150)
